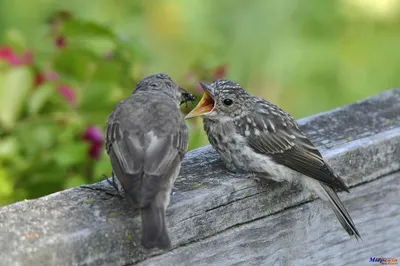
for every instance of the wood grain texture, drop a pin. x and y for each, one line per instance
(83, 227)
(305, 234)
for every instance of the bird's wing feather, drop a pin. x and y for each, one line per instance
(143, 161)
(275, 133)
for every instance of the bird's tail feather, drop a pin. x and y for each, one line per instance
(340, 211)
(154, 229)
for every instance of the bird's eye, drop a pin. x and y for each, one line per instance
(228, 102)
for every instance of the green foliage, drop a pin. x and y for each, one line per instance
(67, 70)
(19, 79)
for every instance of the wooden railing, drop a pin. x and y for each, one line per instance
(218, 218)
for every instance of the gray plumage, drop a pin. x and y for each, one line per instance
(253, 135)
(146, 140)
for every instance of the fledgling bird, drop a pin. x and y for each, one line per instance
(146, 140)
(255, 136)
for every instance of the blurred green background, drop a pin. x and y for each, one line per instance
(64, 65)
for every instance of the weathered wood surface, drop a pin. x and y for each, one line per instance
(306, 234)
(219, 218)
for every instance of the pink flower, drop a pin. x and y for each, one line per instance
(94, 136)
(52, 76)
(68, 94)
(41, 78)
(95, 151)
(7, 54)
(27, 58)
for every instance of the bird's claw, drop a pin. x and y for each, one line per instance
(102, 189)
(116, 192)
(112, 183)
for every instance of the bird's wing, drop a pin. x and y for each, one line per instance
(271, 131)
(144, 160)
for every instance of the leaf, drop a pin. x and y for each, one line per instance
(99, 46)
(72, 154)
(86, 29)
(74, 181)
(14, 84)
(102, 167)
(8, 147)
(96, 96)
(132, 49)
(44, 135)
(39, 98)
(37, 135)
(15, 39)
(6, 188)
(75, 62)
(107, 71)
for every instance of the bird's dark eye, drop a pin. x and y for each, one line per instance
(228, 101)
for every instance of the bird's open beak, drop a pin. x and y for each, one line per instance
(206, 104)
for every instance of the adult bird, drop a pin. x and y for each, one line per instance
(146, 140)
(255, 136)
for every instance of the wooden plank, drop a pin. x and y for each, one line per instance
(83, 227)
(305, 234)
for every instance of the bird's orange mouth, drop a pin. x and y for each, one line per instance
(205, 106)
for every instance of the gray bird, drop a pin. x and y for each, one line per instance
(255, 136)
(146, 140)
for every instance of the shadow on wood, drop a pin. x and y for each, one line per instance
(218, 218)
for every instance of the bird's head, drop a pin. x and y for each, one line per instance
(222, 100)
(162, 83)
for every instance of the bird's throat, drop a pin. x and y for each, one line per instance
(204, 107)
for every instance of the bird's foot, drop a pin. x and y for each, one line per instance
(102, 189)
(115, 191)
(113, 183)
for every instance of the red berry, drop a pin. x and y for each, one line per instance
(61, 42)
(39, 79)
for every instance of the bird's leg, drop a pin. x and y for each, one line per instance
(116, 191)
(102, 189)
(113, 181)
